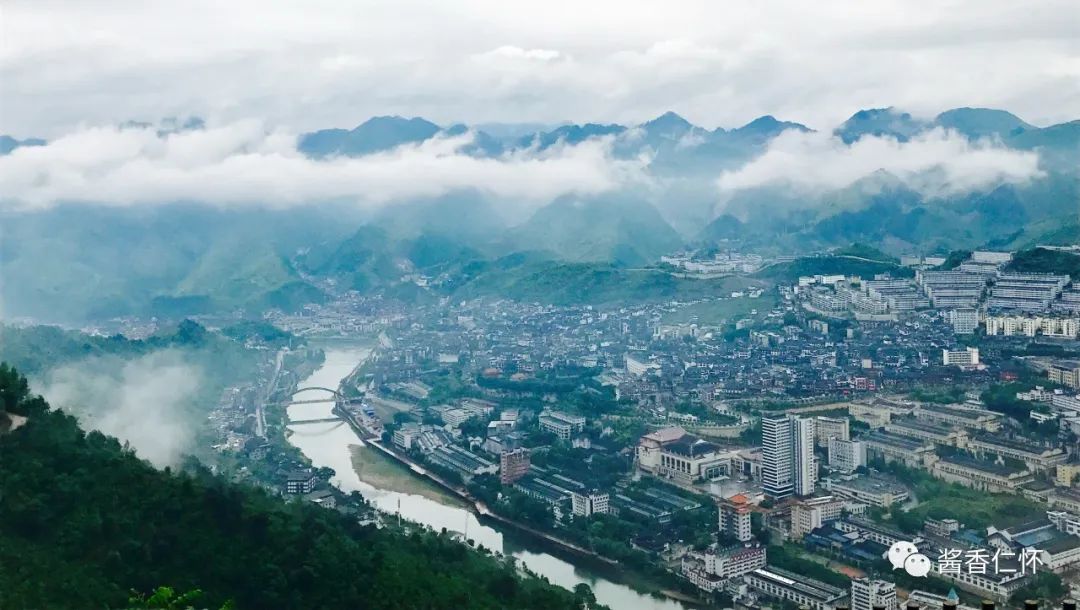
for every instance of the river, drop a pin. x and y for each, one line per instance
(328, 444)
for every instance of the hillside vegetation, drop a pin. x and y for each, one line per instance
(1043, 260)
(593, 284)
(858, 250)
(85, 522)
(36, 349)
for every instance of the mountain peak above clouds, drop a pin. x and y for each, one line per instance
(972, 123)
(569, 134)
(767, 127)
(880, 122)
(373, 135)
(668, 125)
(982, 122)
(8, 143)
(669, 119)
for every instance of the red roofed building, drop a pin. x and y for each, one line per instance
(735, 517)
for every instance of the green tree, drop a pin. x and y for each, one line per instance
(584, 596)
(165, 598)
(1045, 586)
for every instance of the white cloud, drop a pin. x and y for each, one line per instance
(242, 163)
(516, 53)
(337, 62)
(937, 162)
(147, 402)
(691, 139)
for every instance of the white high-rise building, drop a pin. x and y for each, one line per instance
(803, 449)
(787, 456)
(777, 456)
(867, 594)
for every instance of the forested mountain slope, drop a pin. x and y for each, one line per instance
(83, 522)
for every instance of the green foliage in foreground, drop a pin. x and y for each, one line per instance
(84, 523)
(165, 598)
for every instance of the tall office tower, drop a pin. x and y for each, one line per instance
(787, 456)
(805, 465)
(777, 456)
(867, 594)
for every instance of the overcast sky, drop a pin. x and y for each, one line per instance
(314, 64)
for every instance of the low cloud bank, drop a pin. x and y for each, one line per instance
(147, 402)
(935, 163)
(242, 163)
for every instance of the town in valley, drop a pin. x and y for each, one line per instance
(770, 444)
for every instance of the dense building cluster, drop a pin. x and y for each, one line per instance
(789, 413)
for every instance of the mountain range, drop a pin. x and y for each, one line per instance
(685, 160)
(77, 262)
(383, 133)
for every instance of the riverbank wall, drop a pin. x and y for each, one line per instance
(483, 511)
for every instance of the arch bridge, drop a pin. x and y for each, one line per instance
(337, 398)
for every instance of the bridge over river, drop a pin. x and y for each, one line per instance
(336, 397)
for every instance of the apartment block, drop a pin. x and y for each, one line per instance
(562, 425)
(735, 517)
(810, 514)
(846, 456)
(513, 465)
(968, 356)
(826, 428)
(589, 503)
(867, 594)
